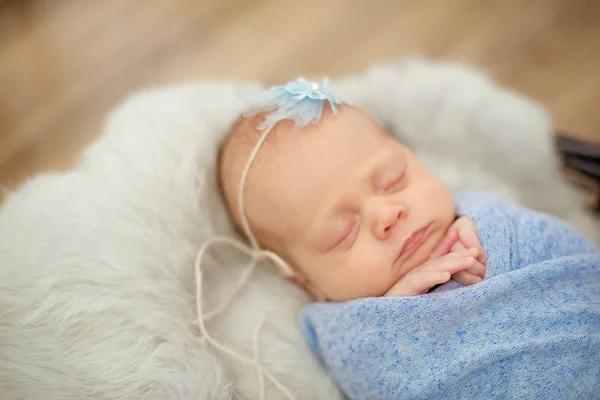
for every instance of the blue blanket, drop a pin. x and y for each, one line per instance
(530, 330)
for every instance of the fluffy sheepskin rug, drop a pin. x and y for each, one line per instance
(96, 265)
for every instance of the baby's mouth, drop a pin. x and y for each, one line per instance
(413, 242)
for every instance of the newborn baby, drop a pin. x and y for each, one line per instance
(356, 218)
(354, 212)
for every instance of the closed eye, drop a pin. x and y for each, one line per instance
(394, 181)
(345, 234)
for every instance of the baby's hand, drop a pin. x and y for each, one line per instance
(433, 272)
(460, 236)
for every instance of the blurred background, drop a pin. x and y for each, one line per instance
(65, 63)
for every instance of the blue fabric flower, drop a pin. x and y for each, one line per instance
(301, 101)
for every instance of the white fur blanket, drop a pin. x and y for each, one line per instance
(96, 265)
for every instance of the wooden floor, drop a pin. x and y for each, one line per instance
(65, 63)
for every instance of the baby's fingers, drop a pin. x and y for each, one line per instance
(466, 278)
(471, 276)
(444, 246)
(459, 264)
(453, 262)
(418, 282)
(478, 269)
(430, 279)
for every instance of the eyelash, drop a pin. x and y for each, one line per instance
(348, 231)
(394, 181)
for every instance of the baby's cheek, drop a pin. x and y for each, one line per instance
(356, 274)
(370, 278)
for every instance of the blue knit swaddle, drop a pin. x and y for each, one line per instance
(531, 329)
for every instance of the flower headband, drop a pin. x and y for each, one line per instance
(302, 102)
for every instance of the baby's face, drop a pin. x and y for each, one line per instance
(352, 208)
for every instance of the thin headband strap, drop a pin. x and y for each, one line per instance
(241, 209)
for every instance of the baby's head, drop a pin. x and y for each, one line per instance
(345, 204)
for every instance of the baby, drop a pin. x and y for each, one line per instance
(353, 211)
(355, 217)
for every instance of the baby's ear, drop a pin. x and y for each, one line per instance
(293, 277)
(304, 283)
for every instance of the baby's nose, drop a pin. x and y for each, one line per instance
(387, 218)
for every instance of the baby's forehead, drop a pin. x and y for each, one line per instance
(301, 166)
(315, 154)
